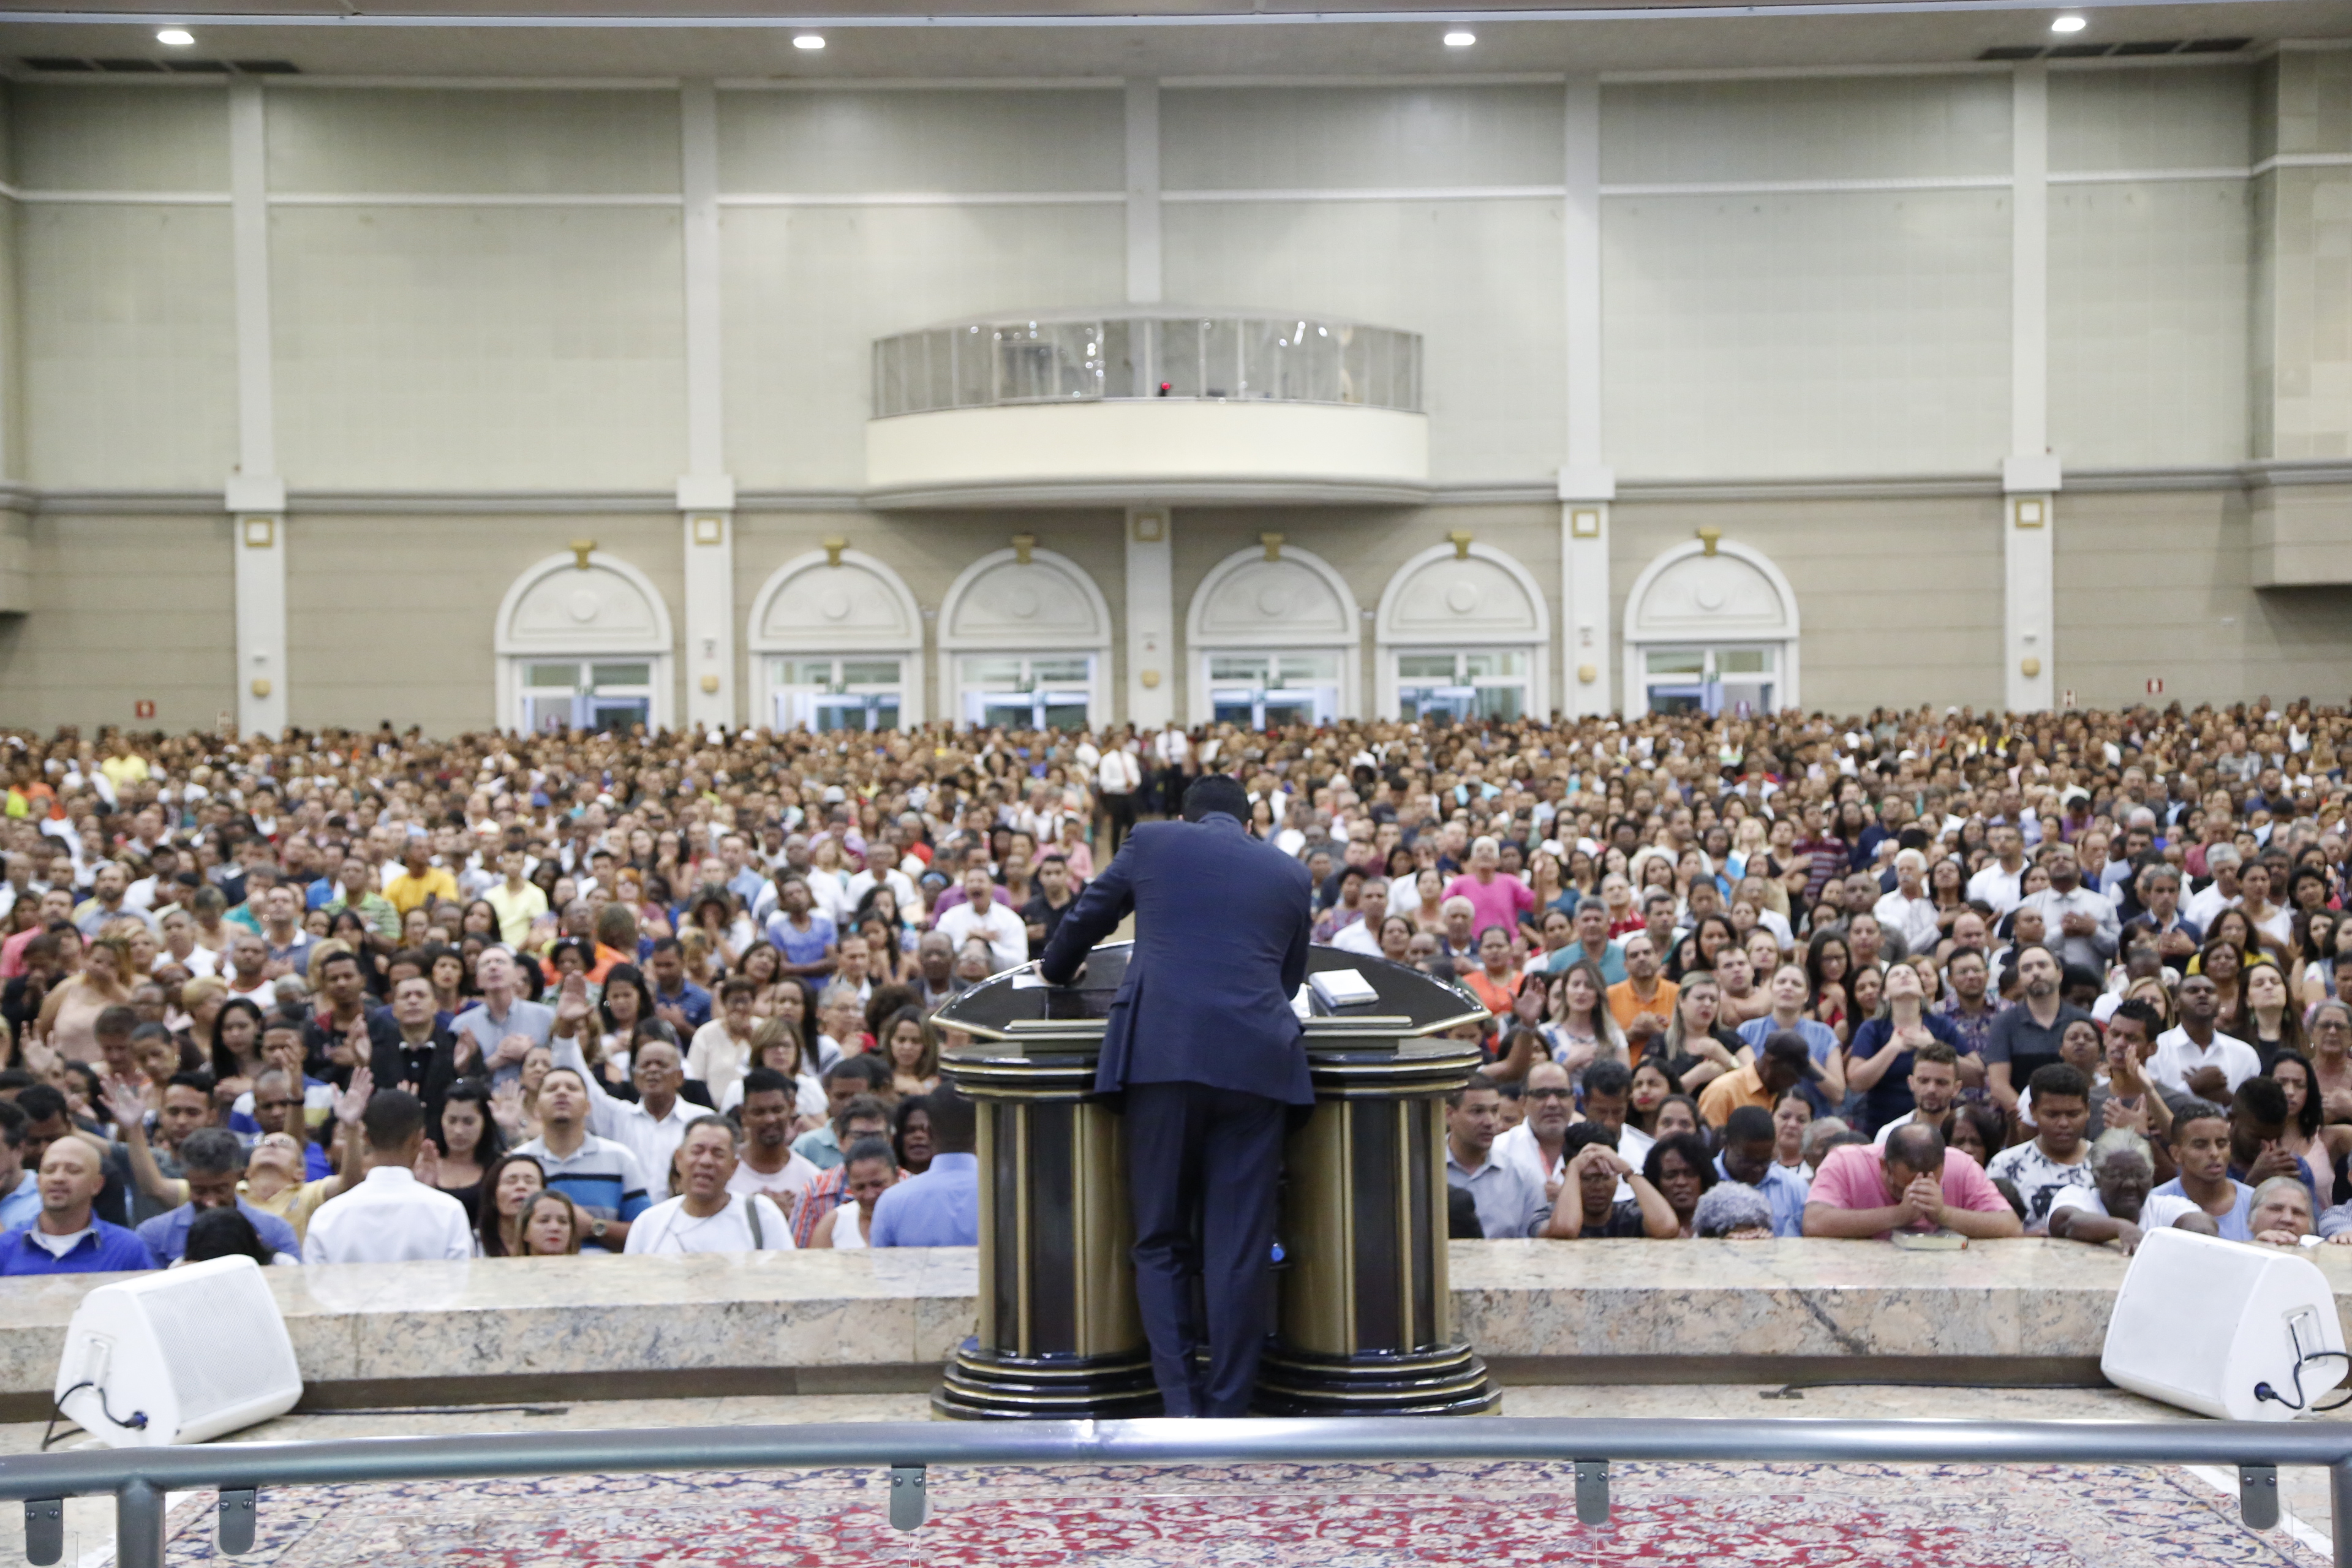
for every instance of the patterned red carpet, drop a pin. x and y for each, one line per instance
(1493, 1516)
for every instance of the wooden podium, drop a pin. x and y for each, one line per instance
(1364, 1321)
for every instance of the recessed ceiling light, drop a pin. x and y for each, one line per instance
(178, 37)
(2068, 24)
(1460, 40)
(809, 41)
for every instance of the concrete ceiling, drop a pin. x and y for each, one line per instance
(895, 40)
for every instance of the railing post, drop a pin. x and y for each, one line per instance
(138, 1525)
(2339, 1510)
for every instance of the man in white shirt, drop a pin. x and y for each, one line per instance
(980, 915)
(1364, 935)
(2079, 921)
(649, 1127)
(1999, 884)
(707, 1216)
(390, 1216)
(1536, 1146)
(1908, 910)
(2195, 1056)
(1117, 778)
(2206, 904)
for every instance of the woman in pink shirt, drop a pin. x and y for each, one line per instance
(1497, 899)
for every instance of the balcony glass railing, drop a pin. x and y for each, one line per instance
(1106, 355)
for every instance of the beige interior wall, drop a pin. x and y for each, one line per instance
(1897, 601)
(928, 550)
(129, 608)
(396, 617)
(2157, 586)
(1366, 546)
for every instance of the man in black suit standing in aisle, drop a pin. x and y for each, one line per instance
(1202, 1043)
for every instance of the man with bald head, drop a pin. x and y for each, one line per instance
(67, 1237)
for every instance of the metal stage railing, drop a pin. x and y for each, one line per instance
(139, 1479)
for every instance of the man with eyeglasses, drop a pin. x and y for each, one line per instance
(1536, 1146)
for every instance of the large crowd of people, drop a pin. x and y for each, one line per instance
(363, 996)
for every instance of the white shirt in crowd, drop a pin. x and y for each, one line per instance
(1517, 1146)
(667, 1227)
(2177, 1057)
(388, 1217)
(2003, 891)
(1120, 773)
(999, 927)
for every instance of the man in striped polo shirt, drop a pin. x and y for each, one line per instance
(602, 1177)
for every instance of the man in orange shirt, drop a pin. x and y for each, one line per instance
(1643, 1004)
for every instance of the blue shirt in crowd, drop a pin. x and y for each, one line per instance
(1783, 1191)
(938, 1209)
(103, 1248)
(166, 1235)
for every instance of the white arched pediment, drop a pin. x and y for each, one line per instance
(1688, 594)
(809, 605)
(1297, 601)
(1047, 602)
(560, 606)
(1445, 598)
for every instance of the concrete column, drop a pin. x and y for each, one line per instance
(2030, 477)
(706, 492)
(1143, 192)
(1151, 616)
(1587, 484)
(254, 494)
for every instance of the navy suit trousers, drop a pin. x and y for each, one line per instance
(1204, 1167)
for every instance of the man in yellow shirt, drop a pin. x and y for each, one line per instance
(518, 903)
(1783, 1063)
(420, 881)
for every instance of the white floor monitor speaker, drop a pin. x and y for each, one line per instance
(2208, 1324)
(178, 1356)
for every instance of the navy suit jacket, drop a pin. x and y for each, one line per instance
(1221, 927)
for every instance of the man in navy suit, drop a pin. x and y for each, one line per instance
(1202, 1044)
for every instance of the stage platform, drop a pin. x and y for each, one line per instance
(2026, 1313)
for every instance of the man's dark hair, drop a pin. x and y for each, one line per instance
(1916, 1145)
(767, 1080)
(869, 1149)
(2142, 1012)
(872, 1069)
(41, 1102)
(859, 1106)
(115, 1021)
(669, 944)
(955, 1120)
(340, 956)
(13, 1079)
(224, 1233)
(1216, 791)
(2262, 1098)
(1747, 1124)
(1581, 1134)
(198, 1079)
(12, 1125)
(2061, 1079)
(712, 1119)
(212, 1152)
(393, 1117)
(2191, 1110)
(1608, 1077)
(1475, 1080)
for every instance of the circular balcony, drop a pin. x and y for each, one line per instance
(1147, 404)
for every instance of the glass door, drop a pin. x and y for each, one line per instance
(1027, 691)
(1713, 681)
(586, 694)
(1480, 683)
(860, 695)
(1273, 691)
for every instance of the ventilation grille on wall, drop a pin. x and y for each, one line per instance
(2111, 51)
(162, 68)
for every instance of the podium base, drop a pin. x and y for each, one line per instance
(1448, 1382)
(981, 1385)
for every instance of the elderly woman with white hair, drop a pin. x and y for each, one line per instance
(1733, 1212)
(1496, 898)
(1910, 909)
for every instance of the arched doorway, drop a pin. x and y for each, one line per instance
(1273, 640)
(1463, 631)
(1025, 644)
(836, 638)
(1711, 627)
(583, 642)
